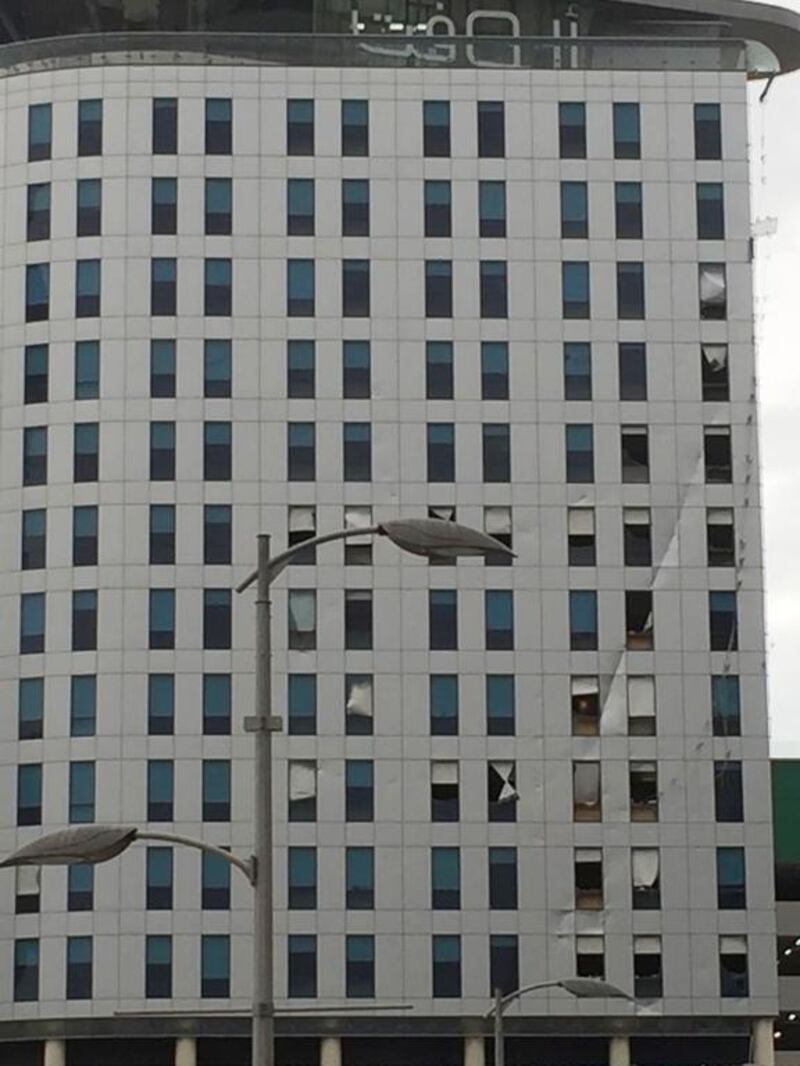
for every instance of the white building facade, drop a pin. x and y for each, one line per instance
(510, 287)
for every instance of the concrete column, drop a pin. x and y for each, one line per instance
(474, 1051)
(763, 1042)
(55, 1052)
(186, 1051)
(330, 1051)
(619, 1051)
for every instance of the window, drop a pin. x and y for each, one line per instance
(163, 286)
(162, 618)
(590, 957)
(444, 792)
(216, 790)
(87, 370)
(217, 618)
(299, 127)
(628, 209)
(445, 879)
(494, 371)
(572, 130)
(218, 287)
(574, 209)
(496, 452)
(165, 125)
(575, 290)
(31, 622)
(438, 209)
(503, 963)
(301, 462)
(215, 882)
(714, 372)
(359, 879)
(302, 968)
(34, 539)
(30, 711)
(499, 616)
(713, 291)
(219, 206)
(160, 788)
(443, 704)
(36, 376)
(707, 131)
(645, 879)
(441, 451)
(641, 707)
(355, 127)
(162, 451)
(81, 792)
(587, 803)
(589, 879)
(491, 208)
(219, 126)
(84, 620)
(83, 705)
(728, 793)
(493, 289)
(500, 705)
(300, 288)
(84, 536)
(90, 127)
(639, 620)
(632, 371)
(446, 967)
(717, 454)
(491, 129)
(355, 288)
(358, 704)
(216, 704)
(647, 975)
(217, 368)
(164, 205)
(501, 791)
(356, 370)
(722, 621)
(158, 967)
(710, 211)
(583, 620)
(160, 704)
(162, 534)
(359, 790)
(443, 619)
(643, 780)
(497, 523)
(40, 131)
(300, 207)
(358, 619)
(302, 871)
(86, 451)
(725, 705)
(158, 874)
(584, 694)
(630, 290)
(37, 292)
(29, 794)
(438, 371)
(579, 453)
(217, 534)
(436, 127)
(302, 527)
(302, 619)
(88, 222)
(217, 451)
(87, 288)
(438, 288)
(215, 966)
(503, 879)
(38, 218)
(635, 455)
(355, 208)
(577, 370)
(27, 889)
(80, 887)
(300, 370)
(627, 139)
(636, 536)
(731, 892)
(720, 538)
(26, 967)
(733, 979)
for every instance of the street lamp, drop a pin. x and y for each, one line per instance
(580, 987)
(92, 844)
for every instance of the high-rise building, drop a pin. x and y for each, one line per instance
(289, 267)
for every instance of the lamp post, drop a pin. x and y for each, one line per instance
(93, 844)
(580, 987)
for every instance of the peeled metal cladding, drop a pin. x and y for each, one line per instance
(433, 536)
(86, 844)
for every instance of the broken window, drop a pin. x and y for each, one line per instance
(647, 978)
(444, 792)
(645, 875)
(722, 622)
(27, 890)
(583, 620)
(589, 879)
(585, 702)
(586, 800)
(302, 791)
(733, 982)
(641, 706)
(358, 705)
(713, 291)
(445, 513)
(358, 619)
(714, 372)
(358, 549)
(443, 704)
(717, 454)
(643, 778)
(720, 538)
(728, 792)
(497, 523)
(590, 957)
(500, 705)
(635, 454)
(302, 619)
(636, 528)
(303, 526)
(639, 620)
(725, 705)
(501, 791)
(580, 536)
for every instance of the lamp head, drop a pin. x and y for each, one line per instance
(435, 536)
(86, 843)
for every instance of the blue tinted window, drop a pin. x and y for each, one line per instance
(159, 878)
(217, 368)
(87, 370)
(575, 290)
(626, 131)
(217, 703)
(37, 292)
(216, 882)
(160, 703)
(300, 206)
(445, 878)
(494, 370)
(81, 792)
(40, 129)
(162, 618)
(577, 370)
(500, 704)
(26, 971)
(216, 790)
(583, 620)
(574, 209)
(87, 280)
(360, 878)
(572, 130)
(31, 622)
(83, 705)
(219, 205)
(36, 366)
(80, 886)
(580, 453)
(160, 785)
(499, 619)
(444, 704)
(356, 370)
(300, 287)
(29, 794)
(355, 127)
(302, 866)
(492, 208)
(300, 369)
(725, 705)
(439, 370)
(302, 704)
(31, 708)
(215, 965)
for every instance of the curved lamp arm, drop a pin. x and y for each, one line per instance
(511, 996)
(278, 563)
(246, 866)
